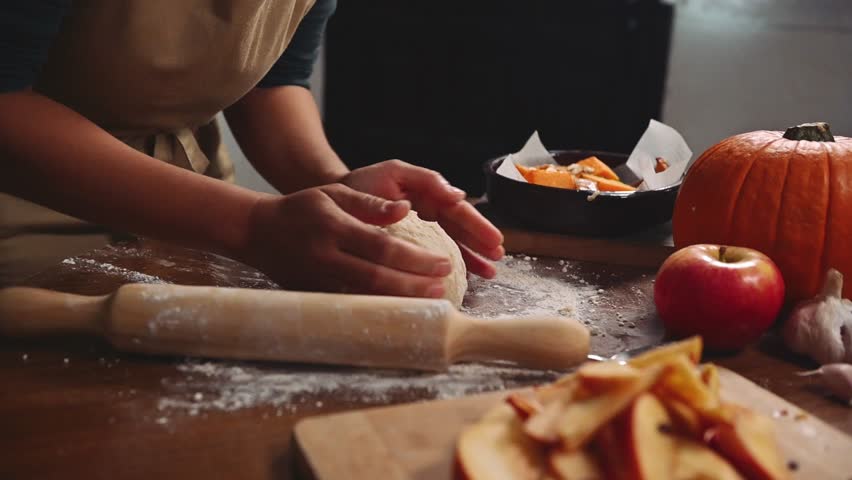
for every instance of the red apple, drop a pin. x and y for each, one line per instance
(728, 295)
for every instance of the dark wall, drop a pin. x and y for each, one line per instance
(451, 84)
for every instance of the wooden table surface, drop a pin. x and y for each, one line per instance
(74, 408)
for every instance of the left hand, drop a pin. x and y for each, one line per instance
(434, 199)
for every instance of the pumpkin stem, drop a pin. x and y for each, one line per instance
(814, 132)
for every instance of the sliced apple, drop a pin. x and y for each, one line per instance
(602, 376)
(685, 418)
(554, 398)
(650, 440)
(692, 347)
(748, 441)
(542, 425)
(525, 404)
(578, 464)
(696, 461)
(565, 387)
(682, 381)
(496, 448)
(610, 445)
(710, 377)
(580, 419)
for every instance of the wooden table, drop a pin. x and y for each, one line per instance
(74, 408)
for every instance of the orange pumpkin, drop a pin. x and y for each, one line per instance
(786, 194)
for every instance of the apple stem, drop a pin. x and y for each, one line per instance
(722, 251)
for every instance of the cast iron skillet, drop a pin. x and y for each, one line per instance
(558, 210)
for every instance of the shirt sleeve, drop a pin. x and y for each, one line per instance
(27, 30)
(296, 64)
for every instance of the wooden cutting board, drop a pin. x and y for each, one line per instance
(417, 441)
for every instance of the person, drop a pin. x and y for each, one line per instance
(108, 118)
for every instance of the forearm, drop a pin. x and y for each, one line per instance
(280, 131)
(53, 156)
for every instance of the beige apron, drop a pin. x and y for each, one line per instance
(154, 73)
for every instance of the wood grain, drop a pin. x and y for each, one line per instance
(413, 442)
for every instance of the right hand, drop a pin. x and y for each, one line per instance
(325, 239)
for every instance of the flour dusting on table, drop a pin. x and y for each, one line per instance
(229, 387)
(518, 290)
(88, 265)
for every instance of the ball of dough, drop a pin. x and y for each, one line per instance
(432, 237)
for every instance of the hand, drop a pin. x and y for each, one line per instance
(324, 239)
(435, 199)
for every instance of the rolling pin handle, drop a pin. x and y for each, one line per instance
(28, 312)
(545, 342)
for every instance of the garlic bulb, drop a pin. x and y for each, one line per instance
(822, 326)
(837, 378)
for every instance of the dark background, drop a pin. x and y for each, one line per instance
(451, 84)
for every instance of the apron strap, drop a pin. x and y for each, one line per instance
(179, 148)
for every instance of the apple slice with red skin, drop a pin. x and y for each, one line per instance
(590, 379)
(748, 442)
(541, 425)
(710, 377)
(532, 402)
(649, 439)
(603, 376)
(525, 404)
(610, 444)
(685, 419)
(579, 464)
(580, 419)
(691, 347)
(683, 381)
(496, 448)
(694, 460)
(566, 381)
(656, 451)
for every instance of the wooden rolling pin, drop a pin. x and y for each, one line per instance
(373, 331)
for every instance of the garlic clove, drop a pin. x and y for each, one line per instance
(833, 286)
(822, 326)
(836, 377)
